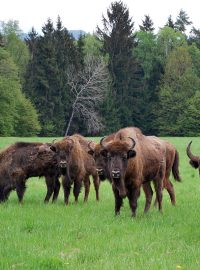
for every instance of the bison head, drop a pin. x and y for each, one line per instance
(100, 161)
(194, 160)
(117, 154)
(63, 150)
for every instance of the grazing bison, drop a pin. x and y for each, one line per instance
(132, 160)
(76, 166)
(194, 160)
(22, 160)
(172, 162)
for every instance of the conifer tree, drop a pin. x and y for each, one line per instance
(118, 42)
(147, 24)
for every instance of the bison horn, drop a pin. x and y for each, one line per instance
(190, 155)
(133, 141)
(68, 138)
(101, 142)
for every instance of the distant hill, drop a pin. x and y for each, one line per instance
(77, 33)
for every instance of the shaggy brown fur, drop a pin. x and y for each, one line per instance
(76, 166)
(171, 165)
(130, 168)
(22, 160)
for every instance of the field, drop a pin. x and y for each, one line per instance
(89, 236)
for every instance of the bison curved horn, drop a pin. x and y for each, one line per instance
(72, 141)
(133, 141)
(89, 146)
(69, 139)
(190, 155)
(101, 142)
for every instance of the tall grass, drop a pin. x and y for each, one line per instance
(89, 236)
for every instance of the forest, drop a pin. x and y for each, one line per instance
(54, 85)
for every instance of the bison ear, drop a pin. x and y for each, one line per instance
(53, 148)
(104, 153)
(91, 152)
(131, 154)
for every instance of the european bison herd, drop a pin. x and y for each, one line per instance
(128, 159)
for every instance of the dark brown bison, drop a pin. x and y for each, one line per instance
(194, 160)
(76, 166)
(22, 160)
(134, 159)
(172, 162)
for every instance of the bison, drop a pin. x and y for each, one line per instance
(76, 166)
(172, 162)
(194, 160)
(22, 160)
(133, 160)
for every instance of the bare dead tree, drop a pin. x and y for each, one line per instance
(88, 88)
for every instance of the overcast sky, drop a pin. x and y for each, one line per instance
(87, 14)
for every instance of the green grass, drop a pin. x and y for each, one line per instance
(89, 236)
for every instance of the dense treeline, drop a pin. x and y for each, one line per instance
(52, 84)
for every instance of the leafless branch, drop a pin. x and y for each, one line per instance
(88, 88)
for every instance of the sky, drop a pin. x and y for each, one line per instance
(87, 14)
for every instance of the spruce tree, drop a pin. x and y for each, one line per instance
(118, 43)
(147, 24)
(53, 55)
(182, 21)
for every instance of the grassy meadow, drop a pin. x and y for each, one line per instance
(89, 236)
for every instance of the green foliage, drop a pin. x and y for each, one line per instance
(118, 43)
(53, 56)
(179, 84)
(167, 40)
(189, 121)
(7, 106)
(15, 45)
(17, 115)
(26, 118)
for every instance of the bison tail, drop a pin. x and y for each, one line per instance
(175, 167)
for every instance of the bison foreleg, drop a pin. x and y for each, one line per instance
(50, 187)
(56, 190)
(87, 187)
(96, 183)
(77, 189)
(118, 201)
(66, 189)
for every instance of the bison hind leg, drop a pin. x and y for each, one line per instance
(20, 189)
